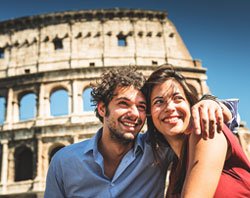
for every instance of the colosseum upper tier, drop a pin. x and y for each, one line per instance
(45, 54)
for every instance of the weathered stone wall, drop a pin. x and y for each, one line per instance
(150, 38)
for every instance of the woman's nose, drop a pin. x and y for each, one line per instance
(169, 106)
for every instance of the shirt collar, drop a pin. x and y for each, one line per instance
(93, 143)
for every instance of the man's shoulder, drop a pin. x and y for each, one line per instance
(75, 150)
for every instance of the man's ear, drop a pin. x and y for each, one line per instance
(101, 109)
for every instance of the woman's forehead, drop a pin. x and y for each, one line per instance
(168, 87)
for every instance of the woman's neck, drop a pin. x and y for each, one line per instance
(176, 143)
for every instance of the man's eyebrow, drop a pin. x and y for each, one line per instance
(122, 98)
(127, 99)
(143, 102)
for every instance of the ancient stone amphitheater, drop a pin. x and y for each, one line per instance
(43, 55)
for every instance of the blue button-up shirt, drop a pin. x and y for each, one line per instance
(232, 105)
(78, 171)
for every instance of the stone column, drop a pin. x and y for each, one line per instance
(39, 157)
(45, 100)
(39, 165)
(75, 138)
(4, 171)
(76, 103)
(41, 106)
(165, 42)
(16, 110)
(9, 110)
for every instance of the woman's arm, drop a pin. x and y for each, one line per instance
(206, 161)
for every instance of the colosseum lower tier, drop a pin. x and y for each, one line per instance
(47, 63)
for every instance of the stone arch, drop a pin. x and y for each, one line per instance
(53, 149)
(86, 99)
(27, 105)
(59, 101)
(23, 163)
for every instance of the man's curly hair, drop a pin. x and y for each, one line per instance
(103, 90)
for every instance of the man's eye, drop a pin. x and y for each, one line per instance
(142, 108)
(122, 103)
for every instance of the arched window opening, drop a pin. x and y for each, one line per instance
(122, 40)
(58, 43)
(53, 152)
(59, 103)
(2, 110)
(2, 52)
(28, 107)
(86, 97)
(23, 164)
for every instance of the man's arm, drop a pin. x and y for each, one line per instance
(210, 113)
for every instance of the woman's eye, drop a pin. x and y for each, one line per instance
(178, 98)
(157, 102)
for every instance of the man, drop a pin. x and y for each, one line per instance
(117, 161)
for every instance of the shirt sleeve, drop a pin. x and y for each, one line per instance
(232, 105)
(54, 183)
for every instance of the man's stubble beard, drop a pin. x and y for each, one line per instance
(115, 135)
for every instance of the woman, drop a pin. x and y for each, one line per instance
(202, 168)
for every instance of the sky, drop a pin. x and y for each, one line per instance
(217, 32)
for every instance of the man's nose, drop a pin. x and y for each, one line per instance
(134, 112)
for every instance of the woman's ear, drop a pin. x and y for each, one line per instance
(101, 109)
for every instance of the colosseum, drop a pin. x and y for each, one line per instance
(61, 53)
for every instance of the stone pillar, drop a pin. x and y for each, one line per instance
(16, 110)
(76, 102)
(165, 42)
(39, 165)
(75, 138)
(41, 106)
(39, 157)
(45, 98)
(9, 110)
(75, 105)
(4, 171)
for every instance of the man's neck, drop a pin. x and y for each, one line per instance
(112, 153)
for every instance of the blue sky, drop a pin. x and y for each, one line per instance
(215, 31)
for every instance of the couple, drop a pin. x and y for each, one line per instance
(121, 162)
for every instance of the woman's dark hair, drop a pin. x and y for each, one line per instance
(157, 140)
(104, 89)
